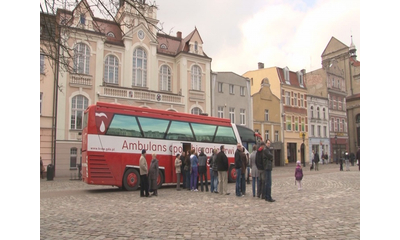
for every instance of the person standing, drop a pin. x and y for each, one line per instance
(183, 172)
(347, 159)
(316, 160)
(358, 158)
(260, 167)
(222, 166)
(203, 169)
(215, 171)
(248, 167)
(143, 171)
(244, 166)
(41, 168)
(187, 170)
(153, 175)
(352, 158)
(194, 161)
(322, 158)
(178, 164)
(254, 170)
(268, 161)
(298, 174)
(238, 168)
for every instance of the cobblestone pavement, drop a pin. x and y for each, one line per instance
(328, 207)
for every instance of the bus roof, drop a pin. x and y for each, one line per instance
(164, 114)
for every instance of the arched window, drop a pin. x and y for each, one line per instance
(139, 74)
(196, 77)
(323, 113)
(312, 112)
(165, 78)
(78, 105)
(111, 69)
(318, 112)
(81, 58)
(196, 111)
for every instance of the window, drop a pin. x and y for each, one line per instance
(196, 77)
(295, 99)
(312, 130)
(163, 46)
(266, 115)
(324, 132)
(302, 125)
(81, 58)
(288, 98)
(344, 126)
(82, 19)
(196, 111)
(288, 123)
(41, 63)
(203, 132)
(318, 113)
(323, 113)
(319, 131)
(242, 91)
(220, 87)
(180, 131)
(301, 79)
(296, 124)
(266, 135)
(78, 105)
(110, 34)
(286, 75)
(111, 69)
(232, 115)
(276, 139)
(41, 101)
(333, 125)
(73, 154)
(231, 89)
(312, 112)
(165, 78)
(242, 116)
(139, 74)
(225, 135)
(220, 112)
(153, 128)
(301, 100)
(122, 125)
(334, 103)
(338, 125)
(196, 47)
(339, 104)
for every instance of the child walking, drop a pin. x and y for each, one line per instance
(298, 174)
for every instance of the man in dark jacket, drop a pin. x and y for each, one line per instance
(222, 166)
(268, 162)
(238, 168)
(183, 156)
(261, 182)
(203, 169)
(316, 160)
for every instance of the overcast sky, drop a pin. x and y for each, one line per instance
(237, 34)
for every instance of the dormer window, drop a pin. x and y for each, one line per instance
(82, 19)
(286, 75)
(110, 34)
(163, 46)
(196, 45)
(300, 77)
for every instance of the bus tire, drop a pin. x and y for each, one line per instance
(232, 174)
(131, 179)
(160, 179)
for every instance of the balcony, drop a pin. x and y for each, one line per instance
(140, 95)
(78, 80)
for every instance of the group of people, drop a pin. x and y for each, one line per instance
(148, 176)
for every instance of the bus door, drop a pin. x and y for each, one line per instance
(176, 148)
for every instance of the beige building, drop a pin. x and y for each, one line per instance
(267, 119)
(124, 61)
(47, 89)
(290, 88)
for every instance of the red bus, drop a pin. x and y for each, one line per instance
(114, 135)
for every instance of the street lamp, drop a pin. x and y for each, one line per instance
(304, 149)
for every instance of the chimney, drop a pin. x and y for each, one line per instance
(179, 35)
(260, 65)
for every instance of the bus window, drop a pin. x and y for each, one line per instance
(153, 128)
(203, 132)
(225, 135)
(122, 125)
(180, 131)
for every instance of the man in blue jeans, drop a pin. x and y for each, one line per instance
(268, 162)
(238, 168)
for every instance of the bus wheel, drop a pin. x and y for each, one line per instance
(131, 179)
(232, 174)
(160, 179)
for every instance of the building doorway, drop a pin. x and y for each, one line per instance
(291, 152)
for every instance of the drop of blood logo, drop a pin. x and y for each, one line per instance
(102, 127)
